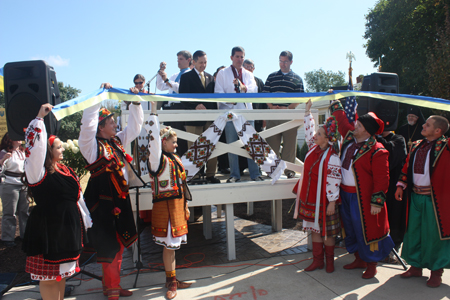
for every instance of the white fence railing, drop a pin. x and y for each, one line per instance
(229, 193)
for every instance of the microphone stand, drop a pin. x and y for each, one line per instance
(139, 264)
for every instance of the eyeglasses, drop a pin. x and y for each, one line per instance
(136, 83)
(284, 62)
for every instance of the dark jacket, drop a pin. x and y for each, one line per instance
(190, 83)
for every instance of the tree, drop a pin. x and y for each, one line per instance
(321, 81)
(400, 32)
(70, 125)
(438, 63)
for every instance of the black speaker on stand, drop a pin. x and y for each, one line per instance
(385, 110)
(28, 85)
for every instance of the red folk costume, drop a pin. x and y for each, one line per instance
(427, 238)
(330, 176)
(370, 168)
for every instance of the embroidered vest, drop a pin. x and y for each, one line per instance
(111, 157)
(169, 181)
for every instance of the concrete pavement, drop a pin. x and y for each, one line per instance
(279, 277)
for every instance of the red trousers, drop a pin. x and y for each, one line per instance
(111, 271)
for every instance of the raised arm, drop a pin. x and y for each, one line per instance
(152, 127)
(134, 126)
(87, 140)
(36, 146)
(343, 124)
(309, 125)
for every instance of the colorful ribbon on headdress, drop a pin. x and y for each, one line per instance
(331, 129)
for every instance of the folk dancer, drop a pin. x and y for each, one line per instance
(424, 178)
(318, 190)
(107, 192)
(57, 225)
(170, 195)
(365, 181)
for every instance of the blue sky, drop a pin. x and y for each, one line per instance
(89, 42)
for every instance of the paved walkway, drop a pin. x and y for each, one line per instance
(268, 266)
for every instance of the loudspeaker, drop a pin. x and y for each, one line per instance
(385, 110)
(28, 85)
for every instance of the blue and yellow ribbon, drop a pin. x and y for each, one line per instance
(80, 103)
(2, 84)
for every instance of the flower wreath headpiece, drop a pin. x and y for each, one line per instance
(331, 129)
(168, 133)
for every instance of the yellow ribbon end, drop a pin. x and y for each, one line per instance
(374, 246)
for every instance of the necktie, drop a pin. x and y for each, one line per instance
(202, 78)
(182, 71)
(421, 157)
(350, 153)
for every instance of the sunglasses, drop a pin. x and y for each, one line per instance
(136, 83)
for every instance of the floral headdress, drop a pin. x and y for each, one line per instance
(168, 133)
(331, 130)
(104, 114)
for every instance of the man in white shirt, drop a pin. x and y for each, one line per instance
(163, 83)
(235, 79)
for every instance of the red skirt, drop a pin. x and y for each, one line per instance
(40, 270)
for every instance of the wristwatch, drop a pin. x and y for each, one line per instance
(167, 79)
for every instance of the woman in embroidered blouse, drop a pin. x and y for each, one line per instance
(318, 190)
(12, 191)
(170, 194)
(54, 233)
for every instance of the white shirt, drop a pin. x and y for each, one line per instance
(347, 175)
(422, 179)
(13, 164)
(89, 123)
(162, 86)
(224, 84)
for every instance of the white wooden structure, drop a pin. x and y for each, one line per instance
(229, 193)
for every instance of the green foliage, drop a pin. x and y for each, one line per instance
(301, 152)
(438, 64)
(2, 100)
(70, 126)
(321, 81)
(73, 158)
(400, 33)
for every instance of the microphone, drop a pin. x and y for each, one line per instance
(238, 85)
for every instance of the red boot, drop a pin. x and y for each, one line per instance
(435, 278)
(317, 257)
(371, 270)
(329, 257)
(113, 294)
(358, 263)
(412, 272)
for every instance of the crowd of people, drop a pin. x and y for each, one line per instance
(369, 182)
(360, 181)
(236, 78)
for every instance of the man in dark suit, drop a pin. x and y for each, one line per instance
(198, 81)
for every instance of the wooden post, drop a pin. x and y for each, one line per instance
(231, 242)
(207, 224)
